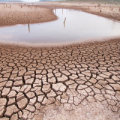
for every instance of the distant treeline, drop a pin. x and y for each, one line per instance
(10, 0)
(99, 1)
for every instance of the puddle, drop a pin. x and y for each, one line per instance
(71, 27)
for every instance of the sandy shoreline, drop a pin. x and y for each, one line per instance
(71, 82)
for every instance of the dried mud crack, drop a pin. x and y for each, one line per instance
(71, 82)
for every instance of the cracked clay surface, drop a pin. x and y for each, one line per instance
(60, 82)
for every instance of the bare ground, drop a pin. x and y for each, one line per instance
(72, 82)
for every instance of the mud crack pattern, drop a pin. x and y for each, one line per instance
(32, 78)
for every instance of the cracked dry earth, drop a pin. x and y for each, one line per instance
(75, 82)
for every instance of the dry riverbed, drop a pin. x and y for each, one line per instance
(72, 82)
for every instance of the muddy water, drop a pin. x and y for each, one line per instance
(72, 26)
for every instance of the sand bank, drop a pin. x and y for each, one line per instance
(11, 14)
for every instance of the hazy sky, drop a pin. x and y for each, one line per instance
(29, 0)
(20, 0)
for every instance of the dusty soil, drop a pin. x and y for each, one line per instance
(23, 14)
(72, 82)
(80, 82)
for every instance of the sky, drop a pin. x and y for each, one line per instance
(20, 0)
(30, 0)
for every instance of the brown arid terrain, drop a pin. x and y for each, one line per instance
(23, 14)
(71, 82)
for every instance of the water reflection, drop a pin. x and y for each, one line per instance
(64, 21)
(29, 28)
(72, 26)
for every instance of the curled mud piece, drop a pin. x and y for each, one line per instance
(24, 14)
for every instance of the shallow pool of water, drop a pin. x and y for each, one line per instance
(72, 26)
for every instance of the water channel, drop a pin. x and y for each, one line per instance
(72, 26)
